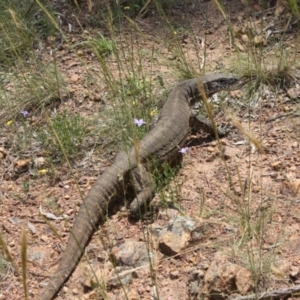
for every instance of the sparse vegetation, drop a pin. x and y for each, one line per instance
(30, 89)
(169, 187)
(75, 97)
(63, 135)
(23, 25)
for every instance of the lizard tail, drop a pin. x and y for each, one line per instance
(74, 251)
(90, 215)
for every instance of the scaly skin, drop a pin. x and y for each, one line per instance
(162, 143)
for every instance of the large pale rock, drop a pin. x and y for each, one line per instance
(224, 278)
(176, 235)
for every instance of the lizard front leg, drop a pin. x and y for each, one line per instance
(144, 188)
(204, 123)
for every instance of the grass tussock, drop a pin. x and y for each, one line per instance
(23, 25)
(30, 89)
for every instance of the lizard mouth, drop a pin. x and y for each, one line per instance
(218, 85)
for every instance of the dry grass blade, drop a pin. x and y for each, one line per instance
(24, 261)
(245, 132)
(7, 254)
(51, 227)
(53, 21)
(221, 9)
(207, 107)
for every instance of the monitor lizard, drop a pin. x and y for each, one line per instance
(133, 169)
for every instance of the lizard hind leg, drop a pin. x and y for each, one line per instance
(144, 187)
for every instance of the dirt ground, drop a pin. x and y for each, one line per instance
(261, 188)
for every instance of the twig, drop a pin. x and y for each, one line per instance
(272, 294)
(293, 113)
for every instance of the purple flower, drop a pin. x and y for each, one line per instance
(184, 150)
(25, 113)
(139, 122)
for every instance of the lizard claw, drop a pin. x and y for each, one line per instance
(225, 129)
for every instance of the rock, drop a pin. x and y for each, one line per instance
(99, 275)
(131, 253)
(294, 272)
(174, 274)
(174, 290)
(195, 283)
(174, 237)
(290, 188)
(3, 153)
(121, 276)
(276, 165)
(21, 165)
(39, 162)
(169, 213)
(225, 278)
(211, 149)
(259, 40)
(75, 291)
(132, 295)
(294, 92)
(171, 244)
(74, 78)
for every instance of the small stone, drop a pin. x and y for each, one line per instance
(294, 271)
(148, 288)
(244, 38)
(75, 291)
(240, 46)
(44, 238)
(74, 78)
(11, 244)
(133, 295)
(276, 165)
(174, 274)
(119, 237)
(22, 164)
(3, 152)
(171, 57)
(141, 290)
(39, 161)
(259, 41)
(97, 97)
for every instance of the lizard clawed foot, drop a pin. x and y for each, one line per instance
(144, 188)
(224, 130)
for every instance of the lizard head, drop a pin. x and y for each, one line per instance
(214, 83)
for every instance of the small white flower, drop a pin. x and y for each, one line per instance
(184, 150)
(25, 113)
(139, 122)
